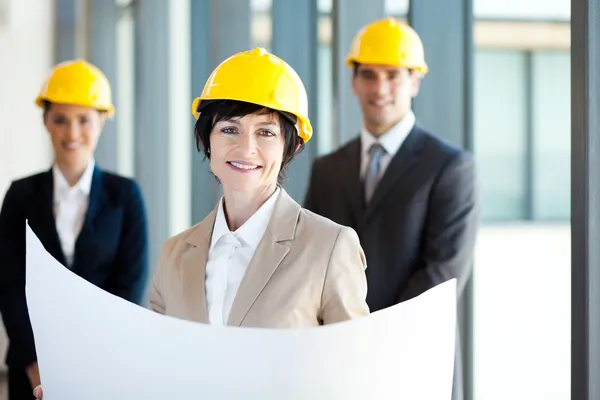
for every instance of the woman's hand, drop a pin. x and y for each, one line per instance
(38, 393)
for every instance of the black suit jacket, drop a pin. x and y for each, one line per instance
(111, 250)
(419, 228)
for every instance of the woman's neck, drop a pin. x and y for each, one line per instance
(240, 206)
(71, 172)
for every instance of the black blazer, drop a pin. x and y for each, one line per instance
(418, 229)
(111, 250)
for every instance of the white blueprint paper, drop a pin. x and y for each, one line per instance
(92, 345)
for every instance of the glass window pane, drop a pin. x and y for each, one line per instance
(262, 23)
(124, 90)
(324, 6)
(396, 7)
(521, 281)
(551, 135)
(500, 139)
(518, 9)
(325, 93)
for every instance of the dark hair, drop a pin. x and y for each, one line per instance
(356, 65)
(46, 105)
(213, 111)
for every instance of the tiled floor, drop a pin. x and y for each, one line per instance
(522, 312)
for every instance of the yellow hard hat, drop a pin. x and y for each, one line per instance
(79, 83)
(258, 77)
(388, 42)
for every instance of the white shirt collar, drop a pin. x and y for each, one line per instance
(392, 139)
(84, 185)
(252, 231)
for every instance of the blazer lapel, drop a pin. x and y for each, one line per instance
(350, 173)
(97, 199)
(401, 163)
(48, 233)
(268, 256)
(89, 232)
(193, 269)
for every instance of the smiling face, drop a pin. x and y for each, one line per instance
(385, 94)
(246, 153)
(248, 145)
(74, 132)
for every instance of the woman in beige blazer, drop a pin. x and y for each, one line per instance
(258, 259)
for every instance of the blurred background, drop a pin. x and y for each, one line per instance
(499, 84)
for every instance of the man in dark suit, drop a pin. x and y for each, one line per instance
(111, 251)
(410, 196)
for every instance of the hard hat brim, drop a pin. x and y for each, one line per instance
(39, 101)
(422, 69)
(303, 126)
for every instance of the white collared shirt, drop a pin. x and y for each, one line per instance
(70, 207)
(390, 141)
(229, 255)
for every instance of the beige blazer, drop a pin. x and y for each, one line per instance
(306, 271)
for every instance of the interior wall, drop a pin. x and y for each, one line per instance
(26, 56)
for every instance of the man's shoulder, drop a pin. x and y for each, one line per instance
(436, 147)
(344, 153)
